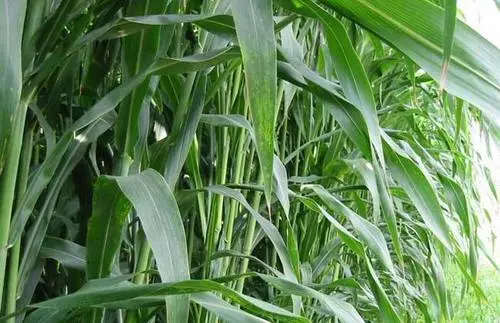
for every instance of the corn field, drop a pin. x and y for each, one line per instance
(240, 160)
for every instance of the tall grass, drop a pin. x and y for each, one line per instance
(253, 161)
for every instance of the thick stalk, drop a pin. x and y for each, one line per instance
(8, 185)
(10, 298)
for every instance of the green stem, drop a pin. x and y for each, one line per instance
(193, 165)
(10, 298)
(142, 264)
(249, 235)
(8, 185)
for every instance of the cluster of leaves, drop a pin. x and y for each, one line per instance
(248, 161)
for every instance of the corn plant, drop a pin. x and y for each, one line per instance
(240, 161)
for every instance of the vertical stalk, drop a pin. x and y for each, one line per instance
(249, 235)
(193, 165)
(222, 155)
(10, 298)
(8, 185)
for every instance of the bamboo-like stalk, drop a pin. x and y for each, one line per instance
(11, 296)
(8, 182)
(249, 236)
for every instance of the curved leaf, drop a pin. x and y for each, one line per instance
(255, 29)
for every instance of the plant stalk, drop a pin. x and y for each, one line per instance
(8, 185)
(10, 298)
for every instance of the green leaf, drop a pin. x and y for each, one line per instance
(350, 71)
(55, 175)
(351, 241)
(366, 171)
(450, 18)
(270, 230)
(193, 63)
(281, 184)
(218, 23)
(109, 213)
(109, 292)
(11, 23)
(255, 29)
(369, 233)
(228, 120)
(473, 77)
(138, 52)
(387, 313)
(68, 253)
(224, 310)
(420, 190)
(157, 209)
(344, 311)
(178, 143)
(350, 119)
(69, 147)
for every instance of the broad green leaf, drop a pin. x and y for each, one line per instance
(228, 120)
(456, 197)
(279, 171)
(473, 73)
(437, 271)
(351, 241)
(68, 253)
(112, 291)
(420, 190)
(349, 118)
(12, 14)
(109, 213)
(327, 253)
(217, 23)
(47, 315)
(193, 63)
(49, 134)
(450, 18)
(255, 29)
(50, 31)
(157, 209)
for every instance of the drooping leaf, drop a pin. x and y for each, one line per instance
(100, 293)
(369, 233)
(157, 209)
(423, 43)
(68, 253)
(344, 311)
(418, 187)
(255, 29)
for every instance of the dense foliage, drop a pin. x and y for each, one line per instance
(244, 161)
